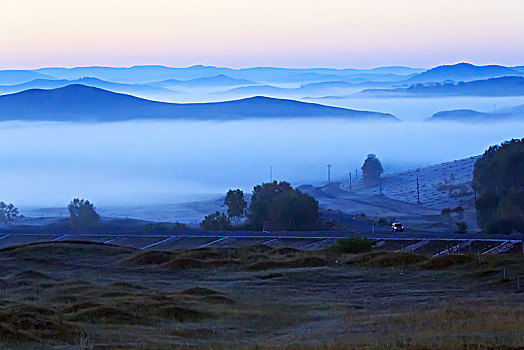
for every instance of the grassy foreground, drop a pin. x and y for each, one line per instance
(72, 295)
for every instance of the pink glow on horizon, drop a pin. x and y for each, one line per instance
(240, 33)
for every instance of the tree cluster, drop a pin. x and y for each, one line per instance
(285, 208)
(277, 203)
(499, 176)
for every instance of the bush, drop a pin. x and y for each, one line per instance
(353, 245)
(462, 227)
(216, 222)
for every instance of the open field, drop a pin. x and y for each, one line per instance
(73, 295)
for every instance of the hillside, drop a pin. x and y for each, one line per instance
(503, 86)
(463, 72)
(445, 185)
(468, 115)
(82, 103)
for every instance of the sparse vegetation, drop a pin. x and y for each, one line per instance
(114, 297)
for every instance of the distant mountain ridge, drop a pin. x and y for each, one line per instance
(83, 103)
(463, 72)
(220, 80)
(503, 86)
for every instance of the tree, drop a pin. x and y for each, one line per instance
(8, 213)
(236, 205)
(82, 214)
(216, 222)
(499, 176)
(371, 170)
(285, 208)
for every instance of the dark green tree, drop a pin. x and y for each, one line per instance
(371, 170)
(82, 214)
(216, 222)
(236, 204)
(285, 208)
(499, 176)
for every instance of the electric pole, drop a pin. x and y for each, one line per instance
(270, 174)
(350, 180)
(329, 173)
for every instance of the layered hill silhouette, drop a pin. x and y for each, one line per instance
(83, 103)
(220, 80)
(504, 86)
(468, 115)
(132, 89)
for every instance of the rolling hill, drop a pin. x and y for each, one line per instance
(468, 115)
(83, 103)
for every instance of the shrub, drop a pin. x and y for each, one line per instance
(462, 227)
(353, 245)
(216, 222)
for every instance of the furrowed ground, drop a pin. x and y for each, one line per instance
(72, 295)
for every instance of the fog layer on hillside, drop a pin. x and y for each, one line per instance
(47, 164)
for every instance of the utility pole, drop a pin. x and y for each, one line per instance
(418, 192)
(270, 174)
(329, 173)
(350, 180)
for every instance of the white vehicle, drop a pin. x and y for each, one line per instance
(397, 227)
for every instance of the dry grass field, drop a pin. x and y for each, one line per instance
(73, 295)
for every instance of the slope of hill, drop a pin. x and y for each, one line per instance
(503, 86)
(82, 103)
(468, 115)
(463, 72)
(446, 185)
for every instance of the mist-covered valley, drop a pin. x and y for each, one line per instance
(98, 132)
(144, 162)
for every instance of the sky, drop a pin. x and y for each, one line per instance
(243, 33)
